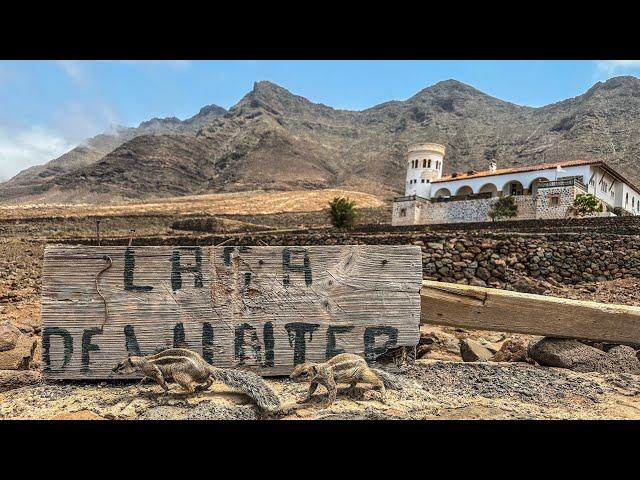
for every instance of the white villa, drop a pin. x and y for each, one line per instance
(545, 190)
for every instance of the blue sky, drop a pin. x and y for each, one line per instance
(48, 107)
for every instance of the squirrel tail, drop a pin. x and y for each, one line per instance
(248, 383)
(390, 381)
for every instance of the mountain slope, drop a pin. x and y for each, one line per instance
(97, 147)
(277, 140)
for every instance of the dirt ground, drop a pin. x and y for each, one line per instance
(433, 389)
(438, 386)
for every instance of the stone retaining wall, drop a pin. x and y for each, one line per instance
(494, 259)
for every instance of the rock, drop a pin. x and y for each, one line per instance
(472, 351)
(564, 353)
(512, 351)
(432, 338)
(476, 282)
(620, 359)
(483, 273)
(8, 335)
(19, 358)
(574, 355)
(491, 346)
(10, 379)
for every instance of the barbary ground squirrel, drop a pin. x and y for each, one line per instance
(191, 371)
(343, 368)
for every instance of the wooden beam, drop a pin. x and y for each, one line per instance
(506, 311)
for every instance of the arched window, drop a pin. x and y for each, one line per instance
(626, 199)
(424, 163)
(429, 163)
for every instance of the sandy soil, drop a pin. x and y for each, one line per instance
(432, 390)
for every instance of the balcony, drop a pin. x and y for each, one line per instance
(564, 182)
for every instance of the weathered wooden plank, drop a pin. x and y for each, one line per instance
(501, 310)
(266, 308)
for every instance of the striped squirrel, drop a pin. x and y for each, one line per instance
(343, 368)
(190, 371)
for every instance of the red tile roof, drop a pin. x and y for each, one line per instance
(524, 168)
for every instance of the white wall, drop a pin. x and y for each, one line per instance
(501, 180)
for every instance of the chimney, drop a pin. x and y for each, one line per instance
(493, 166)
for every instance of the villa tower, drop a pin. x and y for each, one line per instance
(424, 165)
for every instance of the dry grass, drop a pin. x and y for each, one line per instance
(239, 203)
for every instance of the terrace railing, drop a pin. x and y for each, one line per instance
(563, 182)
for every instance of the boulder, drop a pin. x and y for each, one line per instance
(8, 336)
(19, 358)
(433, 338)
(472, 351)
(574, 355)
(620, 359)
(565, 353)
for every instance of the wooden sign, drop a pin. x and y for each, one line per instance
(264, 308)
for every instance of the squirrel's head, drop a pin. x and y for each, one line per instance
(304, 372)
(127, 366)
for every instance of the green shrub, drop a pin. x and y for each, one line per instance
(343, 212)
(586, 204)
(504, 207)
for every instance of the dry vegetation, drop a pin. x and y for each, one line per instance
(241, 203)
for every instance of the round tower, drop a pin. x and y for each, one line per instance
(424, 164)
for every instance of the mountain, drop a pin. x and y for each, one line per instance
(273, 139)
(95, 148)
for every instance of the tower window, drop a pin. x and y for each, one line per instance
(424, 163)
(429, 163)
(423, 180)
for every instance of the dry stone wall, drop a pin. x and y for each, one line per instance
(484, 258)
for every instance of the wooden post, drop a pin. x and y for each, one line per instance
(506, 311)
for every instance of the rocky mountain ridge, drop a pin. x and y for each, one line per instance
(273, 139)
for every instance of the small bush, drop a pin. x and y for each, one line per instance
(504, 207)
(343, 212)
(586, 204)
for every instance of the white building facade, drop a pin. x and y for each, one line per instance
(540, 191)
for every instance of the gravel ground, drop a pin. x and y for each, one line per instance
(433, 390)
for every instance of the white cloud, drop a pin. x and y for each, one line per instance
(77, 121)
(75, 71)
(610, 68)
(20, 149)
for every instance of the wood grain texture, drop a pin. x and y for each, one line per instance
(264, 308)
(506, 311)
